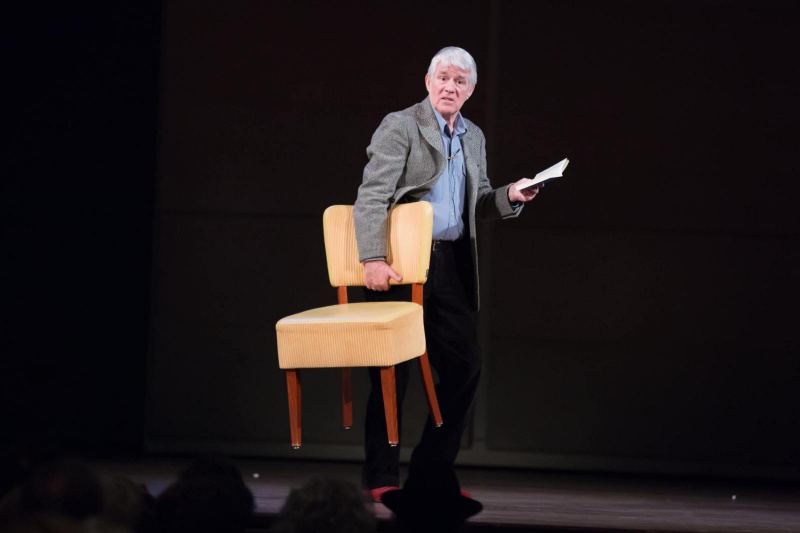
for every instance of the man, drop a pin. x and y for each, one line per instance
(431, 152)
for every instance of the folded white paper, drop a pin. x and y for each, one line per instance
(556, 171)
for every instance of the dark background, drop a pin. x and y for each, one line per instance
(169, 165)
(77, 196)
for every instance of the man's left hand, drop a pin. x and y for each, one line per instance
(524, 195)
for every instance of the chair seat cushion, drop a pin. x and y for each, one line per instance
(346, 335)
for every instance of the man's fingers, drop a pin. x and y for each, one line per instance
(523, 195)
(377, 276)
(530, 193)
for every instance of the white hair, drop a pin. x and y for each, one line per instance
(453, 56)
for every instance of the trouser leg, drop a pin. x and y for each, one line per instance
(451, 337)
(382, 461)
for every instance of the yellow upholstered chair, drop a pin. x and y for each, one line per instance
(379, 334)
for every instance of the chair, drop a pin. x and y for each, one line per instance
(376, 334)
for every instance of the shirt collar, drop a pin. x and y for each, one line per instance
(460, 124)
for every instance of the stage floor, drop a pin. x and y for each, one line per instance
(522, 500)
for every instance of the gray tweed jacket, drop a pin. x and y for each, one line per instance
(406, 157)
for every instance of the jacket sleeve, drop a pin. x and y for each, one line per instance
(492, 203)
(387, 153)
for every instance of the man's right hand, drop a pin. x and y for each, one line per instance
(377, 274)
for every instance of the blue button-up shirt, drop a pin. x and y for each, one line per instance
(447, 196)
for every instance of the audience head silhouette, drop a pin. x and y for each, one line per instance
(127, 506)
(325, 505)
(57, 497)
(64, 487)
(209, 496)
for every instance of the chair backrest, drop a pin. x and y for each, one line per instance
(409, 232)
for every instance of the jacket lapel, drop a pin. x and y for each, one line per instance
(471, 147)
(428, 126)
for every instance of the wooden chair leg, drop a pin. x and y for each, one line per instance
(294, 388)
(430, 391)
(347, 398)
(389, 388)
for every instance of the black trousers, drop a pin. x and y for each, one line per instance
(451, 338)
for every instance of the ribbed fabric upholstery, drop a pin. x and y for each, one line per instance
(409, 229)
(358, 334)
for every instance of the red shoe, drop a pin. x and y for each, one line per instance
(467, 495)
(377, 493)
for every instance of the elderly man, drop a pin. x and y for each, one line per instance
(431, 152)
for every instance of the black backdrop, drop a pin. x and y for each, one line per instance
(77, 199)
(644, 307)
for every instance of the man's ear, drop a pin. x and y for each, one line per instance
(428, 81)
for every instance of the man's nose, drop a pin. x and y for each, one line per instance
(450, 86)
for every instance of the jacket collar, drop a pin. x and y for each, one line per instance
(428, 125)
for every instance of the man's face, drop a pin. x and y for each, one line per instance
(449, 88)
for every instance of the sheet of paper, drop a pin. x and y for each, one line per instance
(556, 171)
